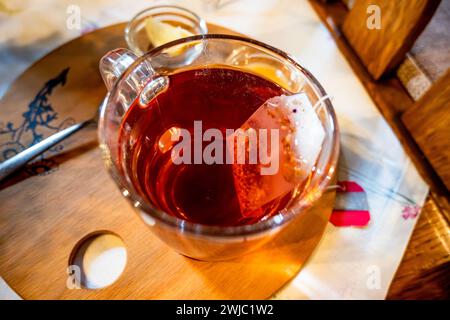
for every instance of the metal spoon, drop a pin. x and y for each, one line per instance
(16, 162)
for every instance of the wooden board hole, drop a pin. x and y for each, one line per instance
(98, 260)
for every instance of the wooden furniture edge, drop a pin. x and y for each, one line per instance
(392, 100)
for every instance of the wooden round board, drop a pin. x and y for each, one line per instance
(48, 207)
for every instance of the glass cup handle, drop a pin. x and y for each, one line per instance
(142, 81)
(114, 63)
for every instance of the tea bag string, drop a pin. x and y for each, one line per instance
(335, 187)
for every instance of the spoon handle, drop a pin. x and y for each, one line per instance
(16, 162)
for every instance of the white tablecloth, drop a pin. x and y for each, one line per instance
(349, 263)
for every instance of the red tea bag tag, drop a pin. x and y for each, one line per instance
(351, 208)
(286, 136)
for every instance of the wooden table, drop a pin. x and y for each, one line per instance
(424, 272)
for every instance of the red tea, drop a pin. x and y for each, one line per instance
(221, 98)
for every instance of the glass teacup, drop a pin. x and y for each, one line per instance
(143, 94)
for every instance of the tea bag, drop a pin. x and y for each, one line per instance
(293, 138)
